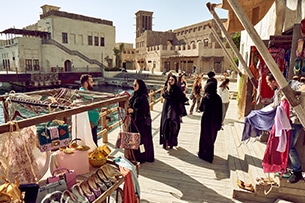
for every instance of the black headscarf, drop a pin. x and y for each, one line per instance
(210, 89)
(141, 91)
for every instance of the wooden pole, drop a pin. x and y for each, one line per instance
(225, 50)
(231, 43)
(273, 67)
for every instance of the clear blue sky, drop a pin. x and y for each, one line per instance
(167, 14)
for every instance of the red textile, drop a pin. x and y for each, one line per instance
(266, 93)
(273, 160)
(129, 191)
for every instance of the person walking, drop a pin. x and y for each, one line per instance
(182, 82)
(172, 110)
(183, 85)
(196, 94)
(140, 113)
(211, 77)
(224, 94)
(211, 106)
(86, 82)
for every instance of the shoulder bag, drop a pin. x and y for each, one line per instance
(128, 140)
(63, 173)
(53, 137)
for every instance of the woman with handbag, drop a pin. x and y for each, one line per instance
(173, 105)
(140, 113)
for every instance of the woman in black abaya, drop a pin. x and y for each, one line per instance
(173, 109)
(140, 113)
(211, 106)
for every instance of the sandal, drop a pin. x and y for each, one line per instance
(266, 181)
(110, 172)
(242, 185)
(103, 178)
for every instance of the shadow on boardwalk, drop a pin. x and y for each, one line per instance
(178, 175)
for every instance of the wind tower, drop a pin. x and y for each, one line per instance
(143, 22)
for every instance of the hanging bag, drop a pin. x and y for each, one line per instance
(9, 191)
(53, 137)
(63, 173)
(128, 140)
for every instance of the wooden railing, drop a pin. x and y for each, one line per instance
(105, 112)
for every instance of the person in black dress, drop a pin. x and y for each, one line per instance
(140, 113)
(211, 106)
(173, 105)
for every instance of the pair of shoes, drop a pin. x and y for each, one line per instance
(242, 185)
(266, 181)
(87, 191)
(98, 181)
(103, 178)
(77, 191)
(110, 172)
(94, 187)
(68, 197)
(191, 113)
(54, 197)
(295, 177)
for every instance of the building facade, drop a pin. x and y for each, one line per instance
(59, 41)
(192, 48)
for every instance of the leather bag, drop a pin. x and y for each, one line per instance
(128, 140)
(63, 173)
(53, 137)
(49, 188)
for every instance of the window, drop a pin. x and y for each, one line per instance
(95, 41)
(102, 41)
(36, 64)
(206, 42)
(64, 37)
(90, 40)
(28, 65)
(6, 64)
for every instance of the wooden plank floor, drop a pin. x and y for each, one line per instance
(178, 175)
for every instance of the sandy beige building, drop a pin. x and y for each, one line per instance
(59, 41)
(191, 48)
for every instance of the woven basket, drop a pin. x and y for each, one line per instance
(97, 162)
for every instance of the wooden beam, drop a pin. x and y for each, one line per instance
(232, 44)
(225, 50)
(273, 67)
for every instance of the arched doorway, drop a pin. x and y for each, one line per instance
(67, 66)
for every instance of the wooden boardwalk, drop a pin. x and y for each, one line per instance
(178, 175)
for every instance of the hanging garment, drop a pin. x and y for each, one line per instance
(81, 129)
(275, 161)
(123, 162)
(265, 93)
(282, 125)
(257, 120)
